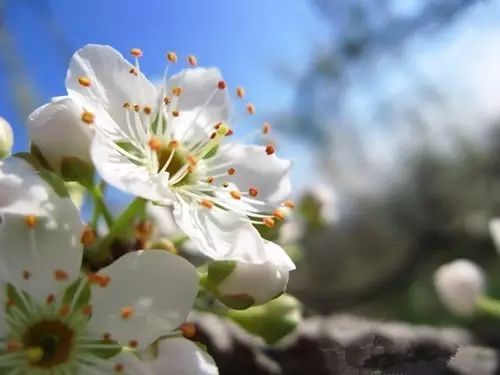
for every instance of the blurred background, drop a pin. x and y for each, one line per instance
(389, 109)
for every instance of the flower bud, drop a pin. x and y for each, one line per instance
(6, 138)
(459, 284)
(240, 285)
(59, 133)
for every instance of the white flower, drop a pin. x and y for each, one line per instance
(6, 138)
(459, 284)
(250, 281)
(168, 146)
(56, 321)
(60, 132)
(495, 232)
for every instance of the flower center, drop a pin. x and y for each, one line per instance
(49, 343)
(178, 162)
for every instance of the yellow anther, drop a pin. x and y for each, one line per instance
(88, 117)
(172, 57)
(136, 52)
(251, 108)
(207, 203)
(127, 312)
(177, 91)
(147, 109)
(155, 143)
(240, 91)
(266, 127)
(235, 194)
(31, 221)
(84, 81)
(268, 222)
(34, 354)
(192, 60)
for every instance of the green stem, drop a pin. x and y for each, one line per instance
(489, 306)
(100, 207)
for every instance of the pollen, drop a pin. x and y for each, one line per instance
(231, 171)
(210, 179)
(13, 346)
(253, 192)
(166, 100)
(31, 221)
(251, 108)
(278, 214)
(88, 236)
(188, 330)
(63, 310)
(177, 91)
(192, 60)
(84, 81)
(127, 312)
(155, 143)
(119, 368)
(289, 204)
(136, 52)
(133, 343)
(266, 127)
(270, 149)
(192, 160)
(147, 110)
(60, 275)
(240, 91)
(50, 299)
(175, 113)
(235, 194)
(268, 222)
(26, 275)
(172, 57)
(207, 203)
(221, 85)
(102, 280)
(88, 117)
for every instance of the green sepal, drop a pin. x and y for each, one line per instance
(77, 170)
(218, 271)
(237, 301)
(37, 154)
(17, 298)
(111, 349)
(84, 296)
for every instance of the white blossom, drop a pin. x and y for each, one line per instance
(6, 138)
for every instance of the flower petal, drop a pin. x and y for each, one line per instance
(39, 232)
(57, 130)
(117, 170)
(254, 169)
(201, 104)
(111, 82)
(156, 289)
(179, 356)
(163, 221)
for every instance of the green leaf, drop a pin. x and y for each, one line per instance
(75, 169)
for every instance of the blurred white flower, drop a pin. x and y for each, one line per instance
(327, 199)
(167, 145)
(248, 282)
(60, 132)
(495, 232)
(55, 320)
(459, 284)
(6, 138)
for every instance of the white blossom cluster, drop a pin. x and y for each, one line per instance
(71, 305)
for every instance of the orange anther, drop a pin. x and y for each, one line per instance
(155, 143)
(235, 194)
(88, 236)
(63, 311)
(136, 52)
(133, 71)
(31, 221)
(26, 275)
(84, 81)
(221, 85)
(188, 330)
(289, 204)
(13, 346)
(207, 203)
(127, 312)
(126, 105)
(240, 91)
(253, 192)
(172, 57)
(137, 107)
(102, 280)
(210, 179)
(174, 143)
(192, 60)
(192, 160)
(119, 368)
(278, 214)
(177, 91)
(175, 113)
(147, 110)
(268, 222)
(266, 127)
(133, 343)
(60, 275)
(50, 299)
(270, 149)
(88, 117)
(231, 171)
(251, 108)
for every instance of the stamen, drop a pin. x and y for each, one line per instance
(84, 81)
(235, 194)
(177, 91)
(155, 144)
(50, 299)
(221, 85)
(289, 204)
(136, 52)
(133, 71)
(119, 368)
(231, 171)
(88, 117)
(240, 91)
(268, 222)
(87, 310)
(106, 336)
(137, 107)
(192, 60)
(102, 280)
(188, 330)
(127, 312)
(166, 100)
(253, 192)
(133, 343)
(34, 354)
(175, 113)
(270, 149)
(206, 203)
(251, 108)
(174, 143)
(210, 179)
(88, 236)
(147, 110)
(192, 160)
(60, 275)
(278, 214)
(229, 132)
(13, 346)
(266, 127)
(26, 275)
(63, 311)
(126, 105)
(172, 57)
(31, 221)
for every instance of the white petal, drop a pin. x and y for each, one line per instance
(163, 221)
(6, 138)
(58, 131)
(111, 83)
(254, 168)
(119, 171)
(197, 117)
(32, 255)
(130, 365)
(159, 286)
(179, 356)
(495, 232)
